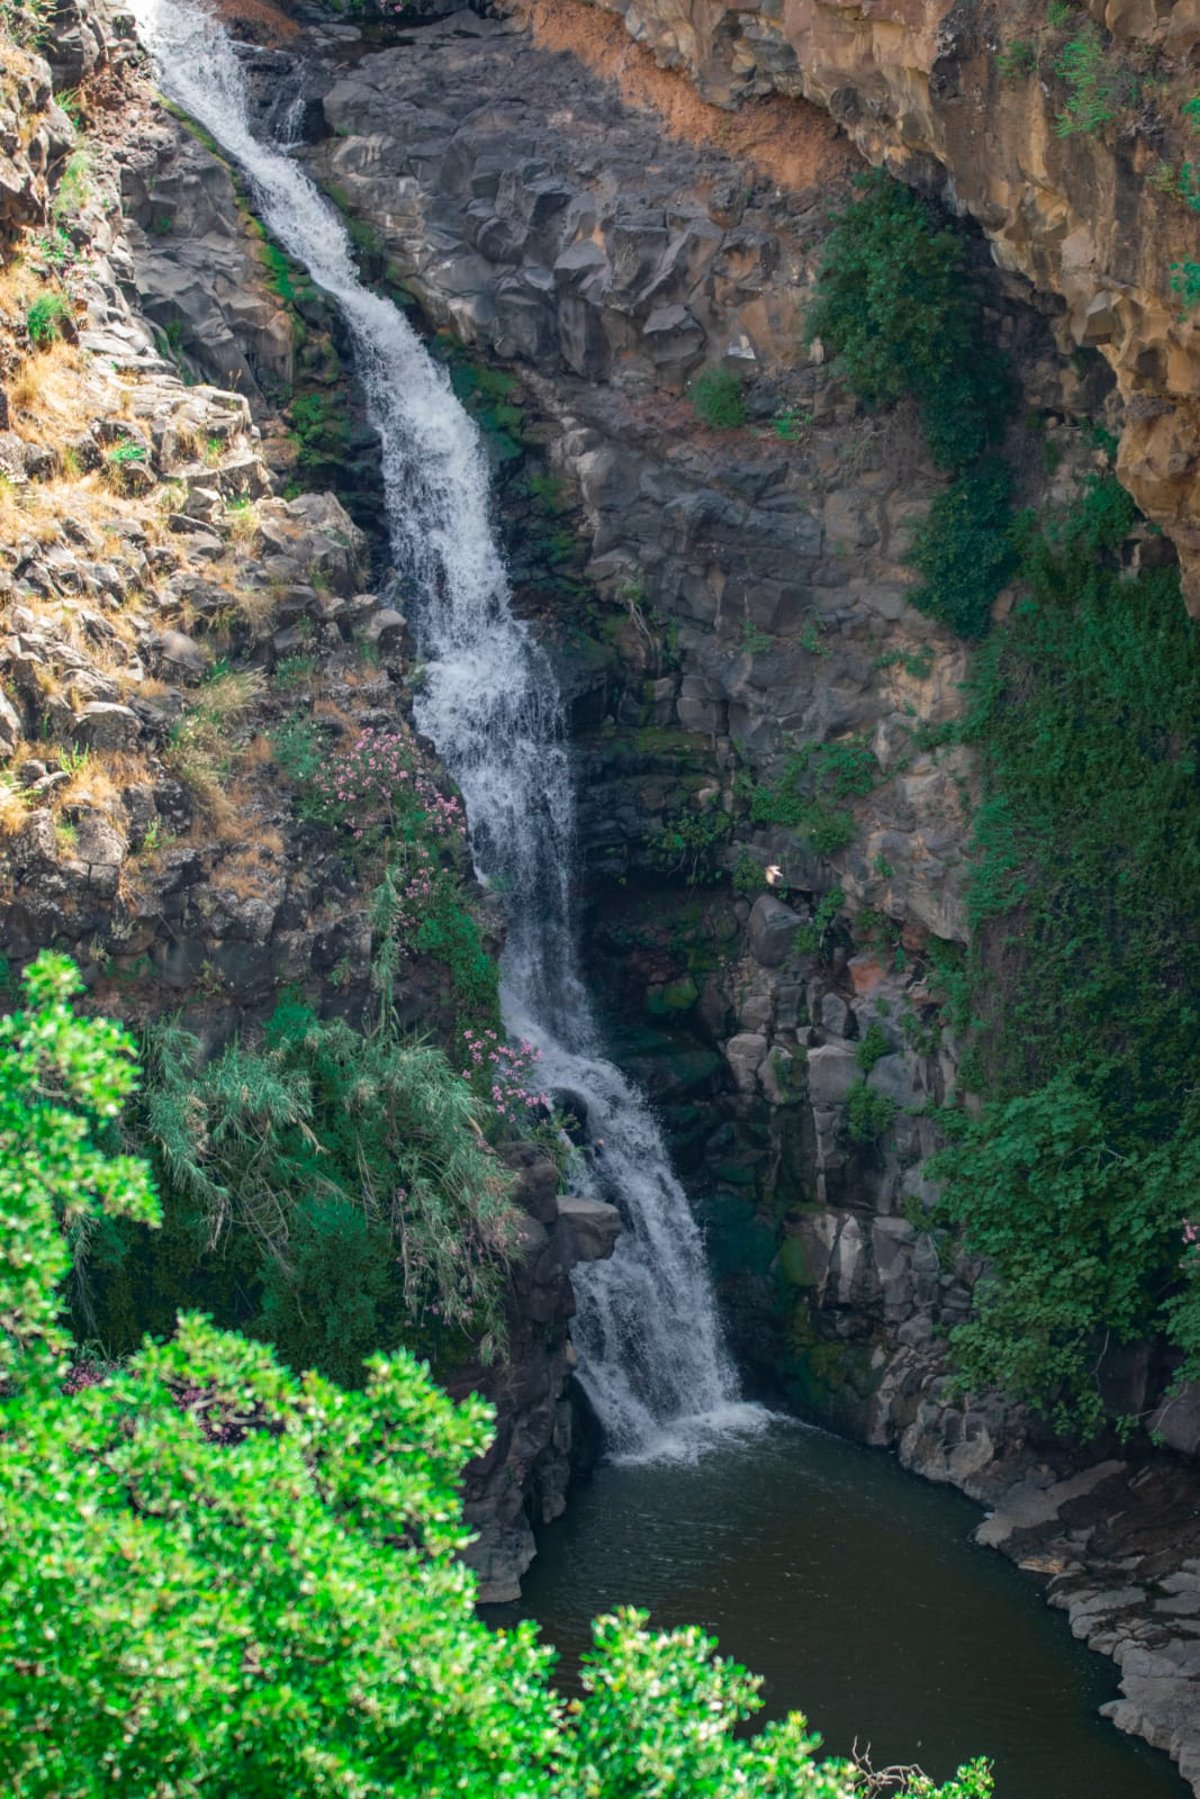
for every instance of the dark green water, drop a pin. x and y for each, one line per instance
(854, 1588)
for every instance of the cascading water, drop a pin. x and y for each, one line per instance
(651, 1354)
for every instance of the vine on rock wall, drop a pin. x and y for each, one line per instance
(895, 305)
(1076, 1179)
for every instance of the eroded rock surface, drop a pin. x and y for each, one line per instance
(922, 86)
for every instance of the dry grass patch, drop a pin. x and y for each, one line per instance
(13, 808)
(47, 395)
(97, 779)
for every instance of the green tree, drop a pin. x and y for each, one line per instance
(218, 1577)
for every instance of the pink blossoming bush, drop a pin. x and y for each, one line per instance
(504, 1078)
(376, 788)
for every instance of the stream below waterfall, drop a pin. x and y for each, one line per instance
(853, 1587)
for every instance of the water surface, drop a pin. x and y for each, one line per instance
(855, 1589)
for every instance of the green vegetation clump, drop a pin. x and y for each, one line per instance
(717, 400)
(322, 428)
(963, 549)
(872, 1047)
(688, 844)
(868, 1114)
(326, 1188)
(73, 190)
(1098, 86)
(894, 304)
(1085, 966)
(223, 1577)
(45, 317)
(1185, 281)
(1017, 60)
(812, 781)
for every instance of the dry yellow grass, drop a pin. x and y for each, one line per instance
(13, 810)
(242, 523)
(97, 780)
(46, 395)
(18, 289)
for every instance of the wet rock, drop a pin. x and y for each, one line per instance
(771, 931)
(592, 1227)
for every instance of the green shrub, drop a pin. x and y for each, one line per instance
(963, 550)
(894, 304)
(1098, 87)
(812, 780)
(873, 1047)
(344, 1178)
(1017, 60)
(44, 319)
(717, 400)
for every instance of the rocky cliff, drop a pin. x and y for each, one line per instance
(581, 231)
(593, 234)
(1063, 132)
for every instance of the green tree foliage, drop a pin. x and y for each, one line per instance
(893, 302)
(1085, 968)
(219, 1577)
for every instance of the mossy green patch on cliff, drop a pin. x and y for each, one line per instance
(1084, 974)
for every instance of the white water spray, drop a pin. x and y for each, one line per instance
(651, 1354)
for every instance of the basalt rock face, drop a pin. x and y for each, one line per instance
(712, 599)
(935, 91)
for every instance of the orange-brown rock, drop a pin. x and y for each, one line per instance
(931, 90)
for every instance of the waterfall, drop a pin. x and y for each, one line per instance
(651, 1353)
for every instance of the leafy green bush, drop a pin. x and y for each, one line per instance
(963, 550)
(717, 400)
(223, 1578)
(872, 1047)
(44, 319)
(1085, 965)
(893, 302)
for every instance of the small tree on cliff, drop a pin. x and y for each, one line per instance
(216, 1577)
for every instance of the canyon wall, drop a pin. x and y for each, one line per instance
(584, 238)
(964, 99)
